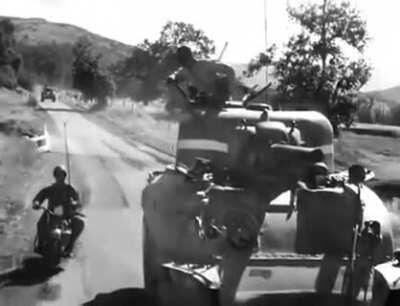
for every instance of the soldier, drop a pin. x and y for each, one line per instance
(317, 176)
(59, 194)
(207, 82)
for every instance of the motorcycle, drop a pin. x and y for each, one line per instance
(58, 236)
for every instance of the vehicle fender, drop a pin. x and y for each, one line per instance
(386, 285)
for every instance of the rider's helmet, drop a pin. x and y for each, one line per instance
(59, 169)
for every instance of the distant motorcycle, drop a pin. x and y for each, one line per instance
(58, 236)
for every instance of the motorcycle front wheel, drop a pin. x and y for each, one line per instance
(52, 252)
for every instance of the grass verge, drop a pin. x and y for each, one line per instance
(22, 170)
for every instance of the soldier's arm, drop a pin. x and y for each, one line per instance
(41, 196)
(74, 194)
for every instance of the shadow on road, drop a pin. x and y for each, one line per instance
(69, 110)
(33, 271)
(122, 297)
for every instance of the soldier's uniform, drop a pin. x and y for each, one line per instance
(59, 195)
(206, 82)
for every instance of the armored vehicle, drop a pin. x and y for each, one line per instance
(47, 93)
(254, 213)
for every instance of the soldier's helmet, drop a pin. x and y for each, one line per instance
(319, 168)
(316, 174)
(184, 55)
(60, 169)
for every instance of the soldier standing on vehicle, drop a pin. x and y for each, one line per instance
(59, 194)
(207, 82)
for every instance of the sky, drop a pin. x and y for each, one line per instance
(241, 23)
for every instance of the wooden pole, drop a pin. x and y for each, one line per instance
(266, 47)
(67, 159)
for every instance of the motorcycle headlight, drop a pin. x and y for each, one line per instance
(56, 232)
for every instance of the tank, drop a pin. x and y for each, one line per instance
(235, 221)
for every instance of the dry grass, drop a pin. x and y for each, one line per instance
(16, 114)
(148, 124)
(380, 154)
(19, 165)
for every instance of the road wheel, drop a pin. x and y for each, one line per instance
(156, 279)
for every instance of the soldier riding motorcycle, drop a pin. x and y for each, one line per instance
(61, 224)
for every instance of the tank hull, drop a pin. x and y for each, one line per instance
(171, 204)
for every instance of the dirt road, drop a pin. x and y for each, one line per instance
(108, 256)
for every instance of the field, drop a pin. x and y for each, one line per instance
(137, 122)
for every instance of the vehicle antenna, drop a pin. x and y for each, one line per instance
(67, 159)
(223, 51)
(266, 47)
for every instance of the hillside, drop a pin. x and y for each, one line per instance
(390, 95)
(36, 31)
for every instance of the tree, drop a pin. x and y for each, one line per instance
(10, 60)
(180, 33)
(88, 76)
(151, 61)
(43, 60)
(313, 66)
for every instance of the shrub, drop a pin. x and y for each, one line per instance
(32, 101)
(396, 115)
(380, 113)
(373, 111)
(7, 77)
(25, 80)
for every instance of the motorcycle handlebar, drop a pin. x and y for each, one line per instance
(46, 210)
(53, 214)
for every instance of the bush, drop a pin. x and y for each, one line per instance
(380, 113)
(396, 115)
(25, 80)
(373, 111)
(32, 101)
(7, 77)
(88, 76)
